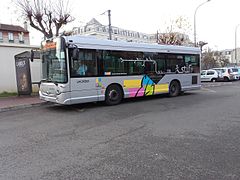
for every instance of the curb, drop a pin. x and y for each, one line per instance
(13, 108)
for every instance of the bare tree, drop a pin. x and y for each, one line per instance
(222, 60)
(209, 60)
(46, 17)
(175, 33)
(170, 38)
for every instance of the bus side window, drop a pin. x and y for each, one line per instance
(193, 61)
(161, 62)
(91, 62)
(99, 59)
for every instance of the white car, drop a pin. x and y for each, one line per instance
(226, 73)
(210, 75)
(235, 73)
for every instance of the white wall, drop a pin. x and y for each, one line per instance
(7, 66)
(36, 73)
(36, 70)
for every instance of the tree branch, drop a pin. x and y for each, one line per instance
(43, 17)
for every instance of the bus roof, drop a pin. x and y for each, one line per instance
(87, 42)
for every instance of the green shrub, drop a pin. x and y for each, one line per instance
(8, 94)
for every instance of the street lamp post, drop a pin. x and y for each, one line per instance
(109, 23)
(236, 43)
(195, 33)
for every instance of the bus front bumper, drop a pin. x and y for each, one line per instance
(60, 99)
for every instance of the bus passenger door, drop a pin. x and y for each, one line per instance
(83, 72)
(83, 90)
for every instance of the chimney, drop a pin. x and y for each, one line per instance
(25, 25)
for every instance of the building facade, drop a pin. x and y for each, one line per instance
(14, 40)
(227, 53)
(233, 55)
(13, 34)
(95, 28)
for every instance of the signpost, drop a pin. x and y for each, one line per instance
(23, 76)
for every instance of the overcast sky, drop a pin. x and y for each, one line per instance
(216, 20)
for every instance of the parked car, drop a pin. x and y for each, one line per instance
(210, 75)
(226, 73)
(238, 72)
(235, 73)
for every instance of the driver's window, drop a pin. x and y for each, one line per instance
(85, 64)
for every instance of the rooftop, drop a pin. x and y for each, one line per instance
(7, 27)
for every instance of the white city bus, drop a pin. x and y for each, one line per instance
(79, 69)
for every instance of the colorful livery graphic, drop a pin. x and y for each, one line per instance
(144, 87)
(79, 69)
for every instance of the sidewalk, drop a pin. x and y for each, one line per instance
(17, 102)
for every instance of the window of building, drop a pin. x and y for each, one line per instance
(1, 36)
(138, 35)
(21, 37)
(10, 37)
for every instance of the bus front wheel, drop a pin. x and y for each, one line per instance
(114, 95)
(174, 89)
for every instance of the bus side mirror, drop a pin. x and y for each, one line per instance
(31, 55)
(75, 54)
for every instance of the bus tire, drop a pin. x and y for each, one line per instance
(114, 95)
(174, 89)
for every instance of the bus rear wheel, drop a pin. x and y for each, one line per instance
(174, 89)
(114, 95)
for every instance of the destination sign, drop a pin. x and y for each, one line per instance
(49, 45)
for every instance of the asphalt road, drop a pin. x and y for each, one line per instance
(193, 136)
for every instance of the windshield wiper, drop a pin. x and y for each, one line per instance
(46, 80)
(49, 80)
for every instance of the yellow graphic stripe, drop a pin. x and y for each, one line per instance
(132, 83)
(161, 88)
(149, 90)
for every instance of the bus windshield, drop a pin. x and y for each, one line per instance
(54, 67)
